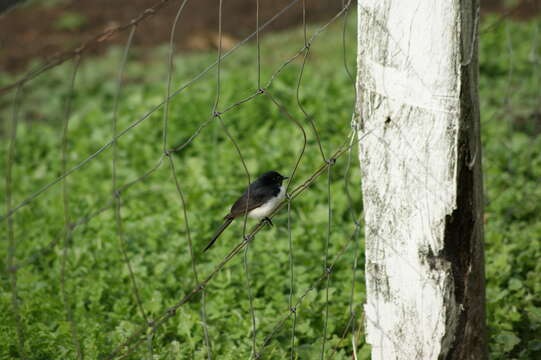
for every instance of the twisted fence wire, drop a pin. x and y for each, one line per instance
(249, 237)
(153, 325)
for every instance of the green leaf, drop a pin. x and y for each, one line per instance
(508, 341)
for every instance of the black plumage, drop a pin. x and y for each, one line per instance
(258, 200)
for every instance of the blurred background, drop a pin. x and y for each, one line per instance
(39, 29)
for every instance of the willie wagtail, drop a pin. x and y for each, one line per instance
(265, 194)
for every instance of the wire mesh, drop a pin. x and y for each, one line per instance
(149, 326)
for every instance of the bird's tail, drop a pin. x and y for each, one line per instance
(228, 220)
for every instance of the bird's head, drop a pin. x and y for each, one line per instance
(272, 177)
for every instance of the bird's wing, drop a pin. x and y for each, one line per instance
(257, 198)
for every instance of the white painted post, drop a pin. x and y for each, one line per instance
(421, 178)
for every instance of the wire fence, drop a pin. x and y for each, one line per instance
(144, 334)
(150, 326)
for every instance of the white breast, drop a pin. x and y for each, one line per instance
(270, 205)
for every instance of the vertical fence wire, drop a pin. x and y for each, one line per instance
(218, 115)
(241, 157)
(117, 192)
(306, 51)
(356, 253)
(192, 257)
(326, 268)
(167, 153)
(292, 309)
(247, 239)
(169, 75)
(258, 45)
(347, 178)
(250, 301)
(286, 113)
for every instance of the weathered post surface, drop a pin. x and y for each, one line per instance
(421, 178)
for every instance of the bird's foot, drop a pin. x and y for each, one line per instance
(268, 221)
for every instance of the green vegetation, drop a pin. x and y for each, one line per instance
(211, 174)
(510, 85)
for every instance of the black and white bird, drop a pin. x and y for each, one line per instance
(260, 199)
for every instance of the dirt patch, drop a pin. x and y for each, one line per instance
(39, 32)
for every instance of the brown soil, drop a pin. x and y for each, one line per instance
(38, 32)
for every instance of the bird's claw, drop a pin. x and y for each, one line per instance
(268, 221)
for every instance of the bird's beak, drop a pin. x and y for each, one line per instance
(285, 177)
